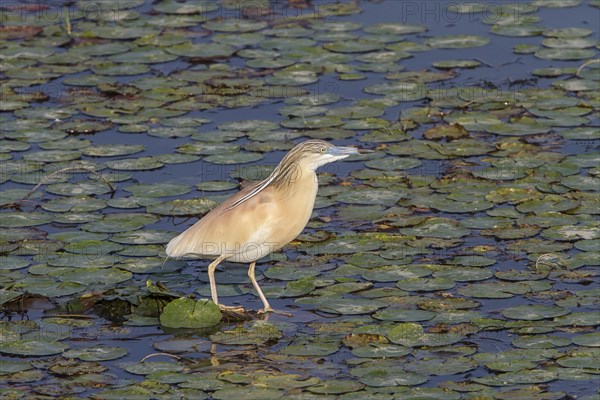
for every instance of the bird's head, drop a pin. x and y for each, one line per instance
(305, 158)
(314, 153)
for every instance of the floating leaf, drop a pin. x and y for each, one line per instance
(96, 353)
(182, 207)
(188, 313)
(588, 339)
(311, 348)
(158, 190)
(392, 378)
(22, 219)
(142, 237)
(112, 150)
(425, 284)
(135, 164)
(438, 228)
(32, 348)
(256, 334)
(88, 276)
(533, 312)
(457, 41)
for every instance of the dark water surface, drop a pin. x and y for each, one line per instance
(501, 71)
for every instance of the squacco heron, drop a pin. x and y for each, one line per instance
(261, 218)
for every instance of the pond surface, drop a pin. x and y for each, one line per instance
(457, 260)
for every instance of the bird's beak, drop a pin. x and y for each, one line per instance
(338, 151)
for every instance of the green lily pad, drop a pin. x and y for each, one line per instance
(146, 260)
(177, 158)
(248, 393)
(347, 306)
(550, 203)
(451, 64)
(393, 163)
(235, 25)
(158, 190)
(143, 55)
(511, 232)
(96, 353)
(564, 54)
(391, 378)
(580, 182)
(88, 276)
(372, 196)
(314, 122)
(233, 158)
(79, 188)
(356, 46)
(74, 204)
(50, 288)
(216, 186)
(496, 290)
(7, 296)
(10, 366)
(411, 335)
(395, 272)
(437, 228)
(24, 219)
(135, 164)
(456, 41)
(174, 7)
(311, 348)
(540, 342)
(394, 28)
(464, 274)
(92, 247)
(253, 334)
(108, 32)
(143, 237)
(519, 377)
(380, 350)
(187, 313)
(151, 367)
(336, 386)
(32, 348)
(441, 366)
(533, 312)
(116, 69)
(580, 359)
(52, 156)
(588, 339)
(190, 207)
(572, 232)
(568, 32)
(12, 262)
(399, 91)
(516, 30)
(401, 315)
(291, 272)
(425, 284)
(111, 150)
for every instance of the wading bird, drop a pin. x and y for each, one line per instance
(261, 218)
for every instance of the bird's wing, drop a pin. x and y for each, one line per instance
(245, 195)
(229, 227)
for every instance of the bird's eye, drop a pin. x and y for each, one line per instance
(322, 150)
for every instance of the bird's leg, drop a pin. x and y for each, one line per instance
(267, 307)
(213, 286)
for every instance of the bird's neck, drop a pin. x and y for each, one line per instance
(293, 177)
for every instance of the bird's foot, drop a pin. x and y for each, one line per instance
(233, 309)
(235, 312)
(271, 310)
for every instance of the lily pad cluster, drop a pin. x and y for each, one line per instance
(457, 260)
